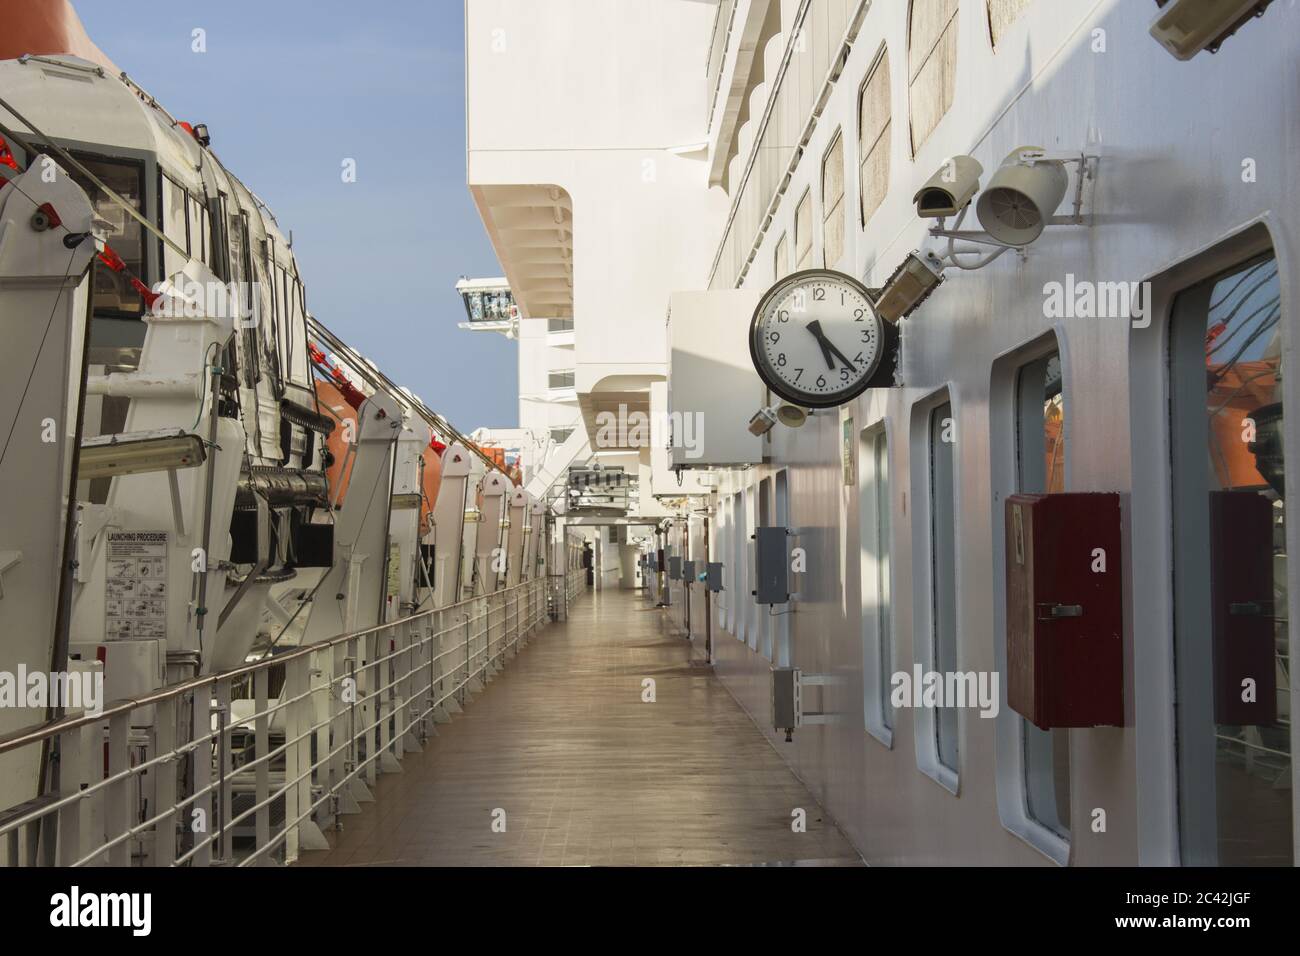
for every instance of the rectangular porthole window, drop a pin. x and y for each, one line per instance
(803, 244)
(560, 380)
(781, 257)
(782, 621)
(943, 564)
(1040, 467)
(114, 295)
(764, 617)
(932, 519)
(875, 558)
(833, 203)
(874, 121)
(1232, 635)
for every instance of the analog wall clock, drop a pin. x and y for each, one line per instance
(817, 341)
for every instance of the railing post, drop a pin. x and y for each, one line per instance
(224, 848)
(71, 779)
(199, 820)
(262, 772)
(117, 817)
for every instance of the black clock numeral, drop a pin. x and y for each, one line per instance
(859, 315)
(821, 381)
(780, 360)
(844, 373)
(798, 374)
(774, 337)
(866, 335)
(859, 359)
(819, 295)
(783, 316)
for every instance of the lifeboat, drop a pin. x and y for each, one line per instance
(335, 405)
(431, 481)
(46, 27)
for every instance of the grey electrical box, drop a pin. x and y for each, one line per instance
(787, 708)
(688, 572)
(675, 568)
(713, 571)
(772, 574)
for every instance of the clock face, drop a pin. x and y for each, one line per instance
(816, 340)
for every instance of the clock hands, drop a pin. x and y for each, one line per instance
(828, 349)
(815, 327)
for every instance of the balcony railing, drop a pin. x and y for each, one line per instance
(219, 771)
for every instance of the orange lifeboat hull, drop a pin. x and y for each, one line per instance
(46, 27)
(335, 406)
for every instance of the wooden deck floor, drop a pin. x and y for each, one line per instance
(589, 774)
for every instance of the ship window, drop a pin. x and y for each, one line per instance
(1232, 635)
(113, 292)
(733, 567)
(764, 619)
(803, 232)
(782, 624)
(781, 257)
(833, 202)
(560, 379)
(176, 225)
(874, 567)
(560, 435)
(943, 572)
(1002, 14)
(874, 120)
(931, 64)
(559, 325)
(200, 234)
(1040, 467)
(750, 626)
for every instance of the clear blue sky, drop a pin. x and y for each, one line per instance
(289, 89)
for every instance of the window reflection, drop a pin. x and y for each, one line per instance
(1231, 631)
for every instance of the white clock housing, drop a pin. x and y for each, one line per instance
(817, 341)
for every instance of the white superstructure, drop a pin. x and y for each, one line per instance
(719, 146)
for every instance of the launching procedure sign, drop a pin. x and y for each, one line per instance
(135, 588)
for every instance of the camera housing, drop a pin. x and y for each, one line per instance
(949, 190)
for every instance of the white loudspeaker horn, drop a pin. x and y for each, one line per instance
(792, 416)
(1021, 197)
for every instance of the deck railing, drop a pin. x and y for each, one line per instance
(246, 767)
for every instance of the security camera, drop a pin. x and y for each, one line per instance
(948, 191)
(1186, 27)
(1022, 196)
(762, 421)
(911, 284)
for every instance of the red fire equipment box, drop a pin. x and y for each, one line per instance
(1065, 646)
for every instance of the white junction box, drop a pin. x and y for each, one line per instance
(131, 669)
(713, 390)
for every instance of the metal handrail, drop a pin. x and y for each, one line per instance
(329, 753)
(38, 732)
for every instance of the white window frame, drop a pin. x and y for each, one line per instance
(924, 651)
(885, 142)
(1151, 540)
(782, 651)
(877, 710)
(836, 143)
(1009, 730)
